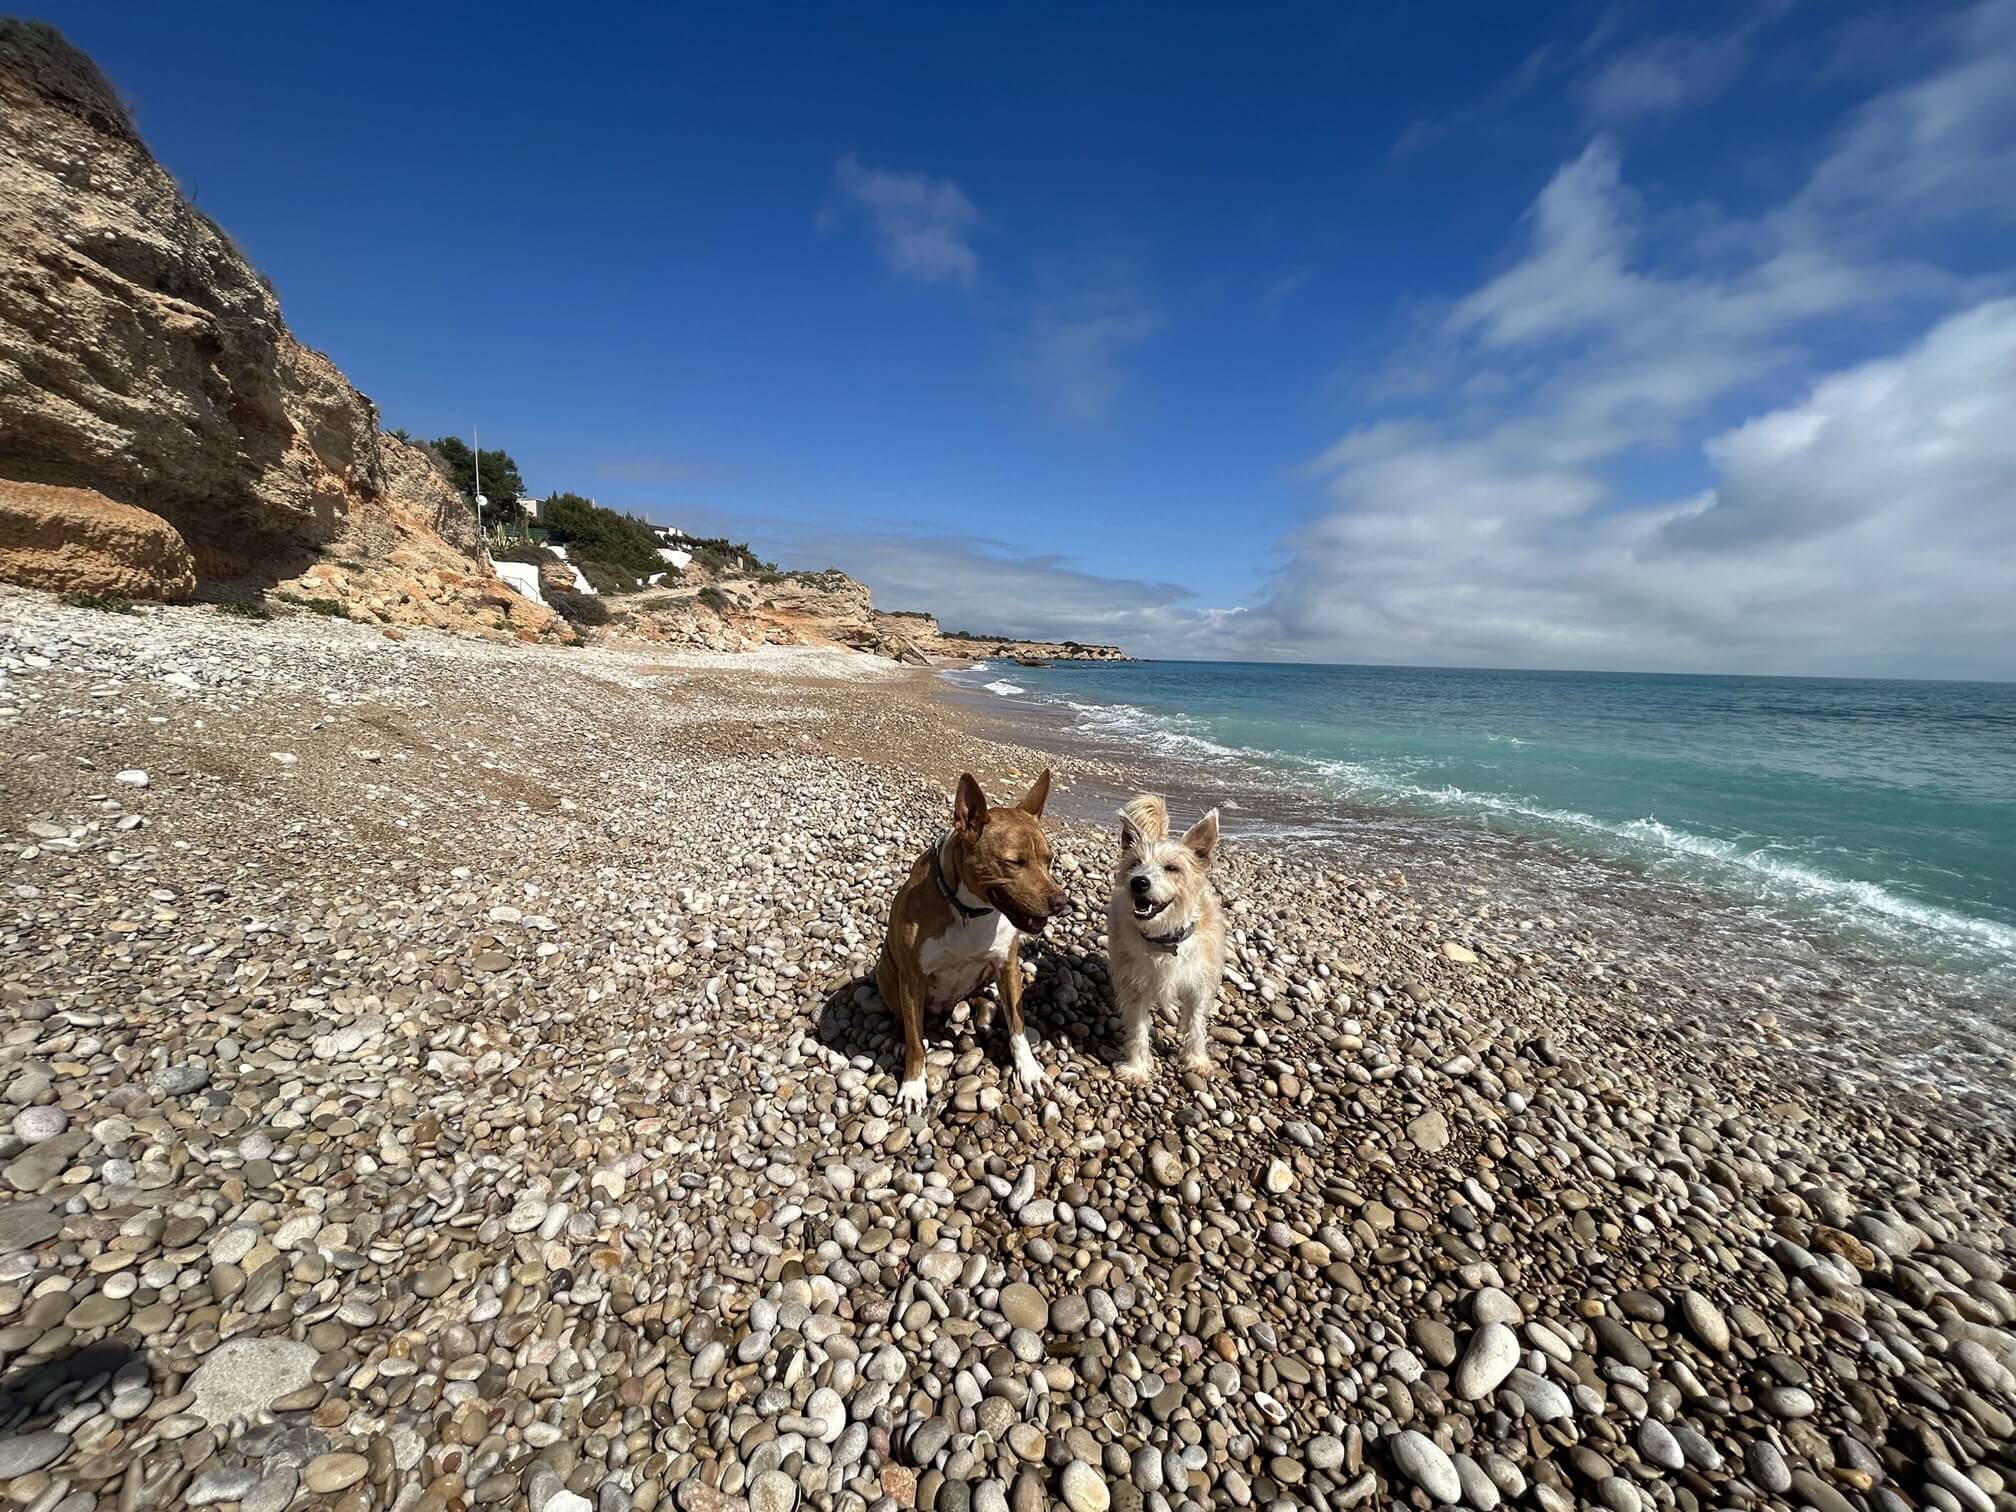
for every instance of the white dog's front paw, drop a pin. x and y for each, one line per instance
(1136, 1070)
(910, 1096)
(1032, 1076)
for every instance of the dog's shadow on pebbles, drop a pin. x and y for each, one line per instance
(1071, 1001)
(854, 1020)
(46, 1388)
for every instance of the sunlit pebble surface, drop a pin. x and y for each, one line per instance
(477, 1109)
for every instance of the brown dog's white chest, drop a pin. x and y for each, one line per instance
(963, 958)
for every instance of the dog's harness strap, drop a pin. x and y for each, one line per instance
(1170, 942)
(938, 876)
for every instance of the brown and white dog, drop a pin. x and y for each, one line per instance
(958, 921)
(1165, 933)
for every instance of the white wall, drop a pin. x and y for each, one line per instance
(522, 578)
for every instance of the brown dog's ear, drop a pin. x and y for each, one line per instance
(969, 805)
(1202, 837)
(1038, 795)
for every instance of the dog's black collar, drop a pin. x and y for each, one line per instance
(1170, 942)
(938, 876)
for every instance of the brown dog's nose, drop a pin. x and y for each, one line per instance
(1060, 901)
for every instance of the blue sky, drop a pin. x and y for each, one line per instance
(1475, 334)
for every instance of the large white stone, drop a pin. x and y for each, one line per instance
(242, 1377)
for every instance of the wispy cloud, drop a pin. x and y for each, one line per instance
(1430, 131)
(923, 227)
(1941, 146)
(1666, 73)
(1285, 287)
(1073, 353)
(1620, 76)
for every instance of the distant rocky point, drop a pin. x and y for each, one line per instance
(729, 610)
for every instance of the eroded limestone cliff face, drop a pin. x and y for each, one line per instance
(143, 357)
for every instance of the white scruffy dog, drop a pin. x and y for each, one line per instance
(1165, 932)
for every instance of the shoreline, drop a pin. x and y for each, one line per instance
(471, 1036)
(1827, 987)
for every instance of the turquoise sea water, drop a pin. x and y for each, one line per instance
(1881, 811)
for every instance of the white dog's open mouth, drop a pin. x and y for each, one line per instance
(1149, 910)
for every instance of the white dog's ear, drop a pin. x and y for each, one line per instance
(969, 805)
(1202, 837)
(1038, 795)
(1144, 821)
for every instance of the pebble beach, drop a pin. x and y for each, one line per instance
(437, 1074)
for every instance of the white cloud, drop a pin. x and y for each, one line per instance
(1605, 335)
(1866, 528)
(923, 227)
(1573, 276)
(1913, 454)
(1072, 357)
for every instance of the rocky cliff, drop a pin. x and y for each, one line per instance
(143, 358)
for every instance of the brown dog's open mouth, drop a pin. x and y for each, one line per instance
(1028, 923)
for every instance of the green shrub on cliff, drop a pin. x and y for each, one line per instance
(579, 608)
(602, 577)
(502, 485)
(531, 553)
(592, 533)
(720, 555)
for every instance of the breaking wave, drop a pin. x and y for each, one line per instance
(1770, 873)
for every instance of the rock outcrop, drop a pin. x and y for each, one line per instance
(734, 611)
(668, 619)
(142, 357)
(922, 631)
(971, 648)
(75, 539)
